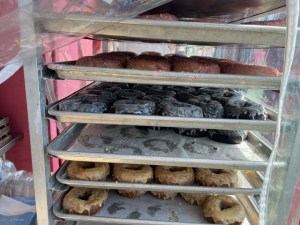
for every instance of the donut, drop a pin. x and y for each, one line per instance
(244, 69)
(95, 61)
(158, 99)
(88, 170)
(173, 57)
(104, 85)
(179, 109)
(172, 175)
(195, 66)
(122, 57)
(129, 94)
(216, 177)
(132, 173)
(96, 96)
(178, 89)
(150, 53)
(161, 16)
(85, 201)
(210, 90)
(73, 105)
(226, 95)
(244, 110)
(149, 62)
(194, 198)
(134, 106)
(223, 210)
(211, 109)
(145, 88)
(228, 136)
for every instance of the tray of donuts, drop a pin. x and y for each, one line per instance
(128, 204)
(163, 106)
(153, 68)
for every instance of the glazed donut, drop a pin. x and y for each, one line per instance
(162, 16)
(149, 62)
(244, 110)
(210, 90)
(226, 96)
(223, 210)
(134, 106)
(129, 94)
(195, 66)
(195, 199)
(88, 170)
(73, 105)
(178, 89)
(179, 109)
(228, 136)
(131, 173)
(172, 175)
(212, 109)
(216, 177)
(95, 61)
(85, 201)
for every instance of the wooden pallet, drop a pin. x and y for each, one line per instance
(5, 135)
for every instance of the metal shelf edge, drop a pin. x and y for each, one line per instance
(16, 138)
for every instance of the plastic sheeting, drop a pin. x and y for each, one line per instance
(19, 39)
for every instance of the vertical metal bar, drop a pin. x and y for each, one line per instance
(36, 102)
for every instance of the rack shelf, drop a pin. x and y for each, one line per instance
(15, 139)
(163, 31)
(115, 144)
(70, 71)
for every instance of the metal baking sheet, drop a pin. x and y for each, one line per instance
(159, 121)
(164, 31)
(4, 131)
(146, 210)
(110, 184)
(70, 71)
(3, 121)
(10, 142)
(129, 144)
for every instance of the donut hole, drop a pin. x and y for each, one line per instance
(216, 171)
(87, 165)
(224, 206)
(85, 196)
(134, 167)
(177, 169)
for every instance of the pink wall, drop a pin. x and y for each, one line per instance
(13, 105)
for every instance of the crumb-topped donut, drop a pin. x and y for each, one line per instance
(149, 62)
(132, 173)
(88, 170)
(216, 177)
(85, 201)
(223, 210)
(195, 66)
(95, 61)
(172, 175)
(195, 198)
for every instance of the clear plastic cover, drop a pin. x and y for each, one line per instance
(13, 182)
(19, 39)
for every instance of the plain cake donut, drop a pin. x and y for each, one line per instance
(149, 62)
(195, 66)
(85, 201)
(172, 175)
(223, 210)
(216, 177)
(94, 61)
(88, 170)
(132, 173)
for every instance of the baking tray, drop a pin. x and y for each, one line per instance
(161, 121)
(110, 184)
(3, 121)
(163, 31)
(9, 143)
(70, 71)
(147, 210)
(4, 131)
(128, 144)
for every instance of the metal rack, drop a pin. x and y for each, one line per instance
(135, 29)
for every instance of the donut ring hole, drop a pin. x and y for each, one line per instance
(87, 165)
(225, 205)
(177, 169)
(134, 167)
(217, 171)
(85, 196)
(228, 94)
(247, 104)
